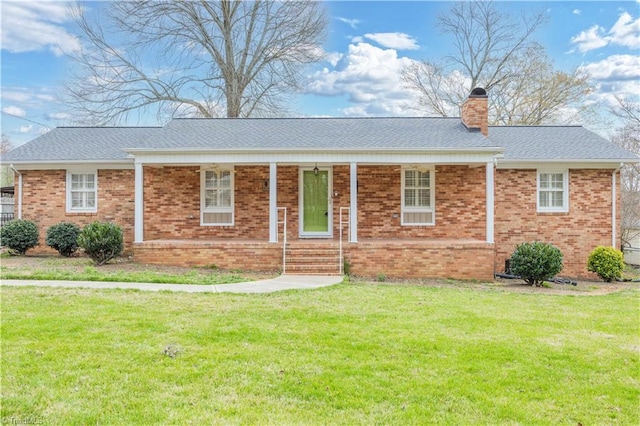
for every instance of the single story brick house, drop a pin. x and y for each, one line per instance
(403, 197)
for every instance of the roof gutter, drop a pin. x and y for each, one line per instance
(202, 150)
(19, 190)
(614, 204)
(84, 161)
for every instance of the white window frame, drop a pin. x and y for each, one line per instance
(412, 209)
(69, 191)
(565, 191)
(226, 209)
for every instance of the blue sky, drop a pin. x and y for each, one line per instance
(368, 43)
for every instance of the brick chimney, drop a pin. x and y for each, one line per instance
(475, 111)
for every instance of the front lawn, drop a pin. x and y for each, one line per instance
(348, 354)
(82, 269)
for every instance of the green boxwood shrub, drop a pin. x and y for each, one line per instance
(607, 262)
(63, 237)
(101, 241)
(19, 235)
(536, 262)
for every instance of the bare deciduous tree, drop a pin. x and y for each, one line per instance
(628, 137)
(495, 51)
(193, 58)
(5, 144)
(534, 93)
(6, 174)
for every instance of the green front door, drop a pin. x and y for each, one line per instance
(315, 202)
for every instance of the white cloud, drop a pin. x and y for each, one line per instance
(353, 23)
(33, 26)
(333, 58)
(590, 39)
(26, 129)
(617, 75)
(14, 110)
(577, 11)
(370, 78)
(27, 97)
(399, 41)
(625, 32)
(615, 67)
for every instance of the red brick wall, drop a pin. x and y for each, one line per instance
(172, 205)
(475, 113)
(44, 201)
(576, 233)
(422, 259)
(288, 197)
(460, 202)
(288, 183)
(250, 256)
(172, 195)
(341, 184)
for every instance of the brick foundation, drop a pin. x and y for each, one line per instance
(422, 259)
(249, 255)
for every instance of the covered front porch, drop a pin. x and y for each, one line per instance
(398, 214)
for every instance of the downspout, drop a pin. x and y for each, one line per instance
(614, 203)
(19, 190)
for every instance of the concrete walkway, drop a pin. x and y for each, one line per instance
(283, 282)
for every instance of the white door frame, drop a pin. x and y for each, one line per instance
(302, 233)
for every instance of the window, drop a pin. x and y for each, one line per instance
(82, 192)
(216, 197)
(417, 197)
(553, 191)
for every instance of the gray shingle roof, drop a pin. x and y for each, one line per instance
(521, 143)
(530, 143)
(319, 133)
(81, 143)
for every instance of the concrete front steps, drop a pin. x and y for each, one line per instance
(312, 258)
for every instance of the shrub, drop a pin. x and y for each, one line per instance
(19, 235)
(607, 262)
(536, 262)
(101, 241)
(63, 237)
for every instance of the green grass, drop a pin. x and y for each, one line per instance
(90, 273)
(348, 354)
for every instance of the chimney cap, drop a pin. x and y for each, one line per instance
(478, 92)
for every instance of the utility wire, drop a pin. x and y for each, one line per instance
(26, 119)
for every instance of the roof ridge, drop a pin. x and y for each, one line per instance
(535, 125)
(108, 127)
(311, 118)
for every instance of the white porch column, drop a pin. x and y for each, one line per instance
(273, 203)
(353, 202)
(490, 188)
(139, 204)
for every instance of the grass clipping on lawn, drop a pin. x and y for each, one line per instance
(348, 354)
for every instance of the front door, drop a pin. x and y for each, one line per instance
(315, 203)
